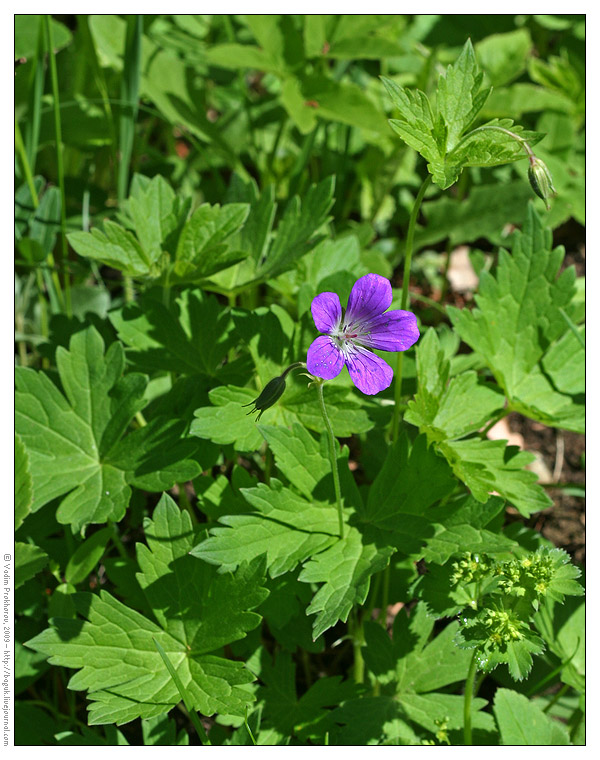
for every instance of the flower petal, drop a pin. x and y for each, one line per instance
(326, 311)
(371, 295)
(393, 331)
(324, 358)
(369, 373)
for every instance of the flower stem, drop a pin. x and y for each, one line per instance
(524, 144)
(333, 459)
(408, 251)
(468, 697)
(356, 632)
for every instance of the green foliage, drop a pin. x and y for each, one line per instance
(73, 440)
(440, 134)
(518, 321)
(192, 528)
(113, 649)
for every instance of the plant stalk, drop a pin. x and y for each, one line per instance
(468, 698)
(408, 251)
(333, 459)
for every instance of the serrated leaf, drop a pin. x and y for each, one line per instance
(372, 721)
(409, 660)
(158, 455)
(86, 557)
(298, 228)
(289, 713)
(411, 479)
(523, 723)
(113, 647)
(438, 409)
(347, 416)
(226, 421)
(299, 456)
(67, 440)
(188, 598)
(517, 318)
(191, 336)
(23, 483)
(439, 134)
(345, 570)
(29, 560)
(491, 466)
(115, 246)
(432, 710)
(156, 212)
(203, 248)
(284, 526)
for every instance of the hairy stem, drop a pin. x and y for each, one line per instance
(468, 698)
(333, 459)
(410, 236)
(523, 143)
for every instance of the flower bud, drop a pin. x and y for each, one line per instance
(540, 179)
(270, 394)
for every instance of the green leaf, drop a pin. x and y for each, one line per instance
(116, 247)
(158, 455)
(503, 57)
(439, 135)
(299, 456)
(189, 599)
(491, 466)
(191, 336)
(87, 556)
(23, 483)
(456, 100)
(298, 228)
(67, 439)
(345, 570)
(411, 479)
(226, 421)
(435, 709)
(234, 56)
(156, 212)
(347, 416)
(484, 213)
(517, 320)
(342, 102)
(162, 731)
(291, 714)
(564, 362)
(202, 249)
(372, 721)
(284, 526)
(439, 409)
(562, 626)
(29, 560)
(523, 723)
(113, 648)
(408, 660)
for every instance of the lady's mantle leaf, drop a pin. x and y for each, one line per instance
(523, 723)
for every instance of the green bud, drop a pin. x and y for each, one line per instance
(271, 393)
(540, 179)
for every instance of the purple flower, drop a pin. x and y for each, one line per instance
(363, 324)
